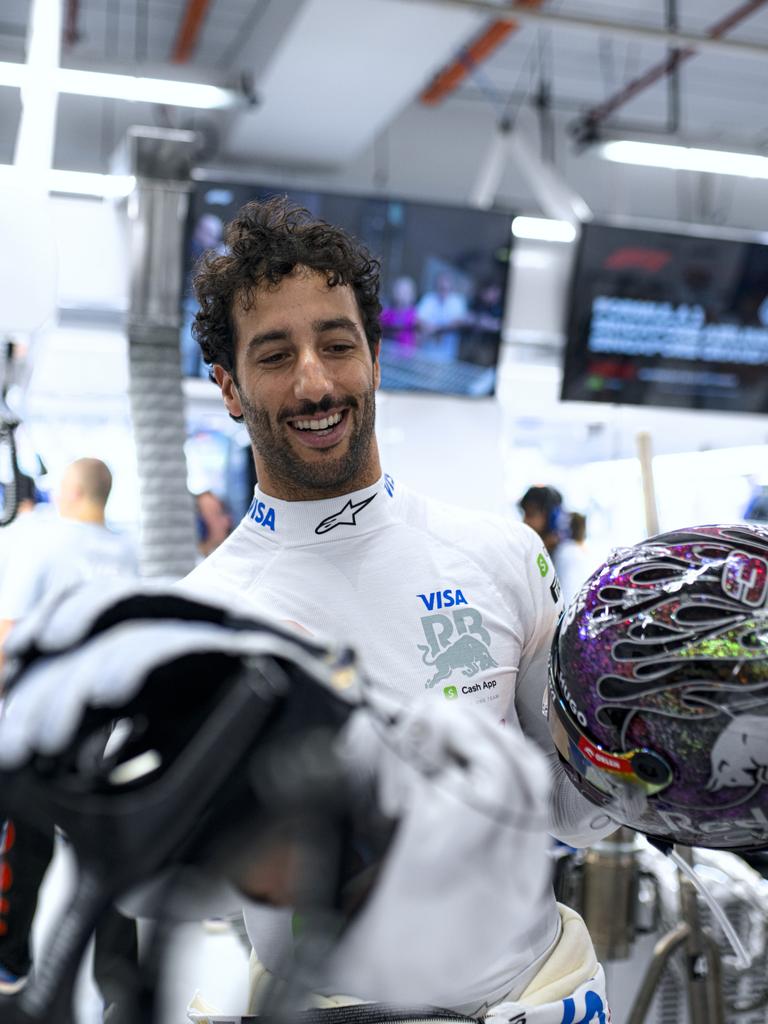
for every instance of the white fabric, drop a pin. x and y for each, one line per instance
(439, 602)
(50, 555)
(569, 986)
(368, 581)
(587, 1004)
(462, 907)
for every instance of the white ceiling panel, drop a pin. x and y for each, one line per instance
(344, 70)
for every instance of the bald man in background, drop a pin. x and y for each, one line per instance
(51, 555)
(69, 549)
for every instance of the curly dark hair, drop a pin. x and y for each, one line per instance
(264, 243)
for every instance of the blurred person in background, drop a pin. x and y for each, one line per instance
(399, 321)
(542, 509)
(214, 522)
(50, 555)
(574, 559)
(482, 336)
(442, 313)
(27, 495)
(29, 499)
(62, 551)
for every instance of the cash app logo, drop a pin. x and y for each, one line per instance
(543, 565)
(451, 693)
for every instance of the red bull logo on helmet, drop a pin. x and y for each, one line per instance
(740, 754)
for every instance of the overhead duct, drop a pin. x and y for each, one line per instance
(161, 160)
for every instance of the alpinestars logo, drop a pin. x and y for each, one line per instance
(346, 516)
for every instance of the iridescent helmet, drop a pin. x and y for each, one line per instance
(658, 686)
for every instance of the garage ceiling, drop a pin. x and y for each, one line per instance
(332, 75)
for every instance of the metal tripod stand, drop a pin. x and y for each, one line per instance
(703, 972)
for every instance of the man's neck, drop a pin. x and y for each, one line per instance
(285, 490)
(85, 513)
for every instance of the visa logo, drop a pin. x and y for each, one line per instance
(442, 599)
(262, 514)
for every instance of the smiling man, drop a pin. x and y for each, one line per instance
(441, 604)
(303, 379)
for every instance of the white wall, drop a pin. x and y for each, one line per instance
(91, 237)
(76, 403)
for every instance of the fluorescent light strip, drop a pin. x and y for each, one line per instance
(685, 158)
(543, 229)
(128, 87)
(79, 183)
(84, 183)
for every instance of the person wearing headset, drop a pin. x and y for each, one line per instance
(542, 508)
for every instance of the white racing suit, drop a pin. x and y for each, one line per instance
(447, 609)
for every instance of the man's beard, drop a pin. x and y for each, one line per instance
(324, 477)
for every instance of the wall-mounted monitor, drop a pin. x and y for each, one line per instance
(443, 282)
(668, 319)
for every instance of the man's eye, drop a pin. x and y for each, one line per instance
(341, 346)
(272, 359)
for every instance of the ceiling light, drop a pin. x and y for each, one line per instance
(129, 87)
(84, 183)
(12, 74)
(684, 158)
(543, 229)
(81, 183)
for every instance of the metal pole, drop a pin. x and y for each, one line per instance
(703, 980)
(610, 876)
(161, 160)
(668, 66)
(645, 455)
(619, 30)
(662, 951)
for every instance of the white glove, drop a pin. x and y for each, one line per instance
(76, 669)
(463, 892)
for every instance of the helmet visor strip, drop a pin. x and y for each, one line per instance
(605, 770)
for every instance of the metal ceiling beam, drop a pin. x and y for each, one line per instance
(619, 30)
(668, 66)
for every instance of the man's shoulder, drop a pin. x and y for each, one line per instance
(231, 562)
(483, 533)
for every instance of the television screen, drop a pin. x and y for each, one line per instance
(444, 276)
(667, 319)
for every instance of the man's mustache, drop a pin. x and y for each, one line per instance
(308, 408)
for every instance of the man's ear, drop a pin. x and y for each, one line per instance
(376, 366)
(228, 390)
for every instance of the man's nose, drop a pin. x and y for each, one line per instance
(312, 380)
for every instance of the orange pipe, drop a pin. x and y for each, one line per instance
(449, 79)
(189, 30)
(453, 74)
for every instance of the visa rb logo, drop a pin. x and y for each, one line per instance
(442, 599)
(456, 640)
(262, 514)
